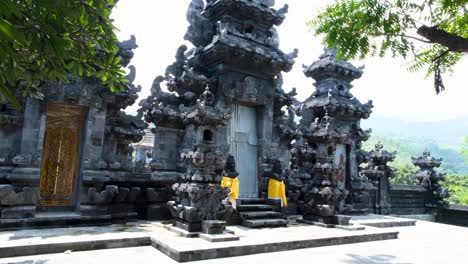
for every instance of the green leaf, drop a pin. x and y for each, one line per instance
(10, 32)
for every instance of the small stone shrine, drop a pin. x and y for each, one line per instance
(199, 193)
(429, 178)
(324, 159)
(379, 173)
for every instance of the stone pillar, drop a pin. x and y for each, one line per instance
(384, 196)
(42, 128)
(95, 138)
(30, 136)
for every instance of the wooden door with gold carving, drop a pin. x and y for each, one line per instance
(61, 155)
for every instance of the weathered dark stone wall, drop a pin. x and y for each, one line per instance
(119, 195)
(125, 195)
(453, 215)
(408, 199)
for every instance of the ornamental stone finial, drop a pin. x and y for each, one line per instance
(207, 97)
(426, 153)
(378, 146)
(328, 53)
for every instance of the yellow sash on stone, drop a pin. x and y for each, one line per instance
(277, 191)
(233, 185)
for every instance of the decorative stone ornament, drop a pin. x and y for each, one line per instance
(380, 173)
(429, 178)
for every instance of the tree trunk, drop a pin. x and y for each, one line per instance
(453, 42)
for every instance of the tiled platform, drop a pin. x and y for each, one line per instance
(382, 221)
(252, 241)
(255, 241)
(415, 244)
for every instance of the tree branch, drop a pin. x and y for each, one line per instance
(403, 36)
(415, 38)
(440, 56)
(435, 35)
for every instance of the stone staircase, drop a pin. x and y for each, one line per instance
(256, 213)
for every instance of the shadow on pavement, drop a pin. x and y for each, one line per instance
(377, 259)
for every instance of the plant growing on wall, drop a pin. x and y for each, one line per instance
(50, 40)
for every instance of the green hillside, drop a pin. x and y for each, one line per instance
(454, 163)
(453, 160)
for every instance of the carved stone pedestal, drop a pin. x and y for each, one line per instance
(189, 227)
(213, 227)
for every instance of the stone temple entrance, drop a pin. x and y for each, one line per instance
(243, 145)
(61, 156)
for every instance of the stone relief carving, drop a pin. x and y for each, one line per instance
(10, 197)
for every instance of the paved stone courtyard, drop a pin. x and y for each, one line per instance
(424, 243)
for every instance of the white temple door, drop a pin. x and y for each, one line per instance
(243, 145)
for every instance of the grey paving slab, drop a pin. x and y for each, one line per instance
(252, 241)
(425, 243)
(382, 221)
(220, 237)
(46, 241)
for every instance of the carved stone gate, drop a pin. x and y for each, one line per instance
(61, 156)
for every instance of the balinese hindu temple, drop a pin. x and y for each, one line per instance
(230, 144)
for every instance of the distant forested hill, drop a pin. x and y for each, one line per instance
(447, 132)
(444, 139)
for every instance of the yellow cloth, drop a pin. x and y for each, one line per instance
(233, 185)
(277, 191)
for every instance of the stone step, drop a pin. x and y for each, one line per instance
(260, 215)
(251, 201)
(54, 220)
(255, 223)
(254, 207)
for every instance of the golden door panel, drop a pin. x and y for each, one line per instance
(61, 154)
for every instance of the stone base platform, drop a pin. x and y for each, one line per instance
(350, 227)
(420, 217)
(224, 237)
(382, 221)
(227, 235)
(181, 249)
(54, 221)
(267, 240)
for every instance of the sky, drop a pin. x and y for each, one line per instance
(160, 25)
